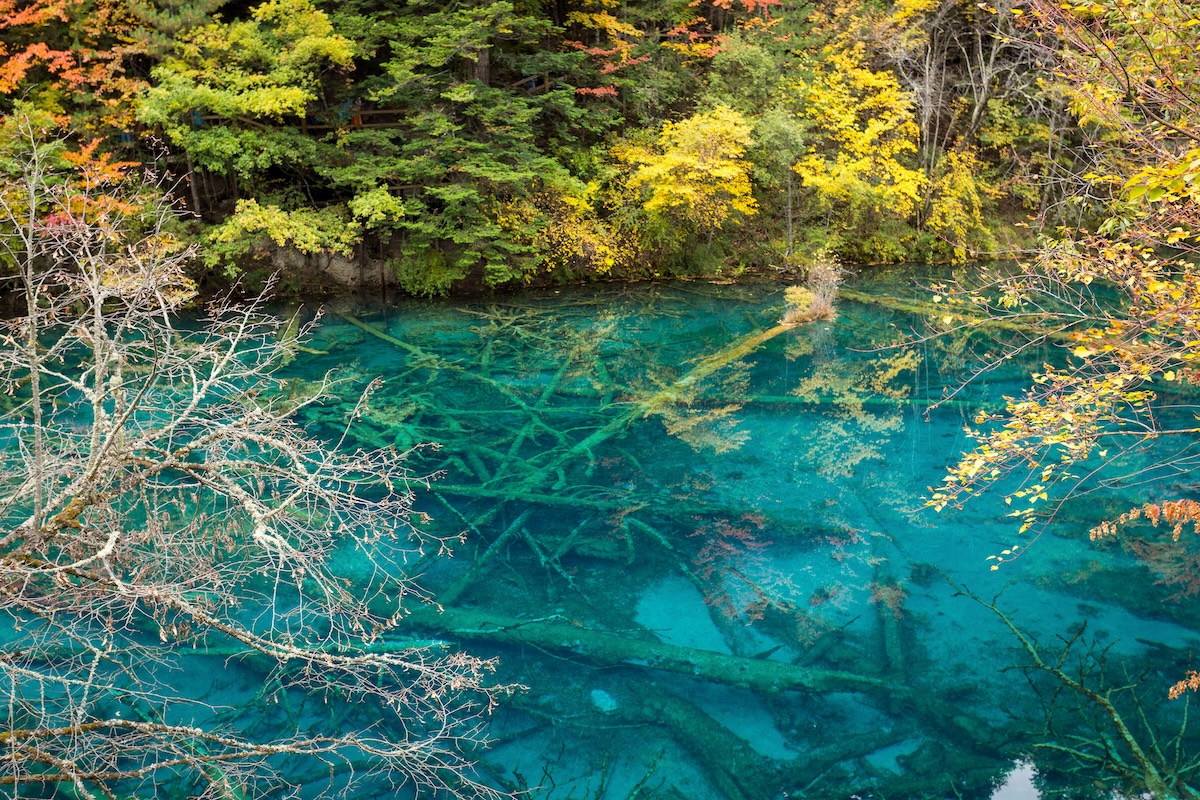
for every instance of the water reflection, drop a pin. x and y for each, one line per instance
(1018, 783)
(698, 540)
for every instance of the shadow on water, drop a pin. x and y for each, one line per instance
(698, 540)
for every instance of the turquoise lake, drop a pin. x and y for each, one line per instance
(700, 544)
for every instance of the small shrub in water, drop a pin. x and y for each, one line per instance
(814, 300)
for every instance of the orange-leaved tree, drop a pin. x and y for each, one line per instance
(75, 57)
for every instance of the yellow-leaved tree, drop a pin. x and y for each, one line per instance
(864, 137)
(697, 176)
(1117, 408)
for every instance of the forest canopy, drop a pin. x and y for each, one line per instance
(490, 142)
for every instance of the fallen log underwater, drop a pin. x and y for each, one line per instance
(956, 316)
(969, 757)
(546, 478)
(542, 480)
(604, 648)
(732, 764)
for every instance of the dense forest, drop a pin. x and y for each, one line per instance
(483, 143)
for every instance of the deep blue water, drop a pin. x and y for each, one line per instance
(771, 510)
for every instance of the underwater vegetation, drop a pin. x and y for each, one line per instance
(695, 537)
(689, 537)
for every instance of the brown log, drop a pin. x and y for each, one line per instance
(736, 769)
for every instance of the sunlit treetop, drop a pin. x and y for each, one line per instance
(698, 170)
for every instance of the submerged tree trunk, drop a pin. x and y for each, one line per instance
(610, 649)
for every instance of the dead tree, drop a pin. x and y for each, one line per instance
(155, 502)
(1096, 724)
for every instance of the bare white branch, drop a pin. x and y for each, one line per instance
(159, 502)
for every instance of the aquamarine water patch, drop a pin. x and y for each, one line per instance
(666, 505)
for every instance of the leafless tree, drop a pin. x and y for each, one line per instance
(1098, 716)
(159, 508)
(957, 57)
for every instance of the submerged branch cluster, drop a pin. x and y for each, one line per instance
(1099, 724)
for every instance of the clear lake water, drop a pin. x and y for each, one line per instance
(713, 571)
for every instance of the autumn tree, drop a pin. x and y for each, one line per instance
(993, 132)
(697, 176)
(161, 511)
(954, 58)
(862, 136)
(928, 121)
(442, 144)
(25, 52)
(1122, 298)
(69, 57)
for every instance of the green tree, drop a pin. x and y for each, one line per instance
(163, 22)
(752, 74)
(473, 151)
(223, 95)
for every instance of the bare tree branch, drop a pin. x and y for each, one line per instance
(157, 500)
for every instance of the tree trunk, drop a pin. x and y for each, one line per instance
(610, 649)
(191, 179)
(483, 65)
